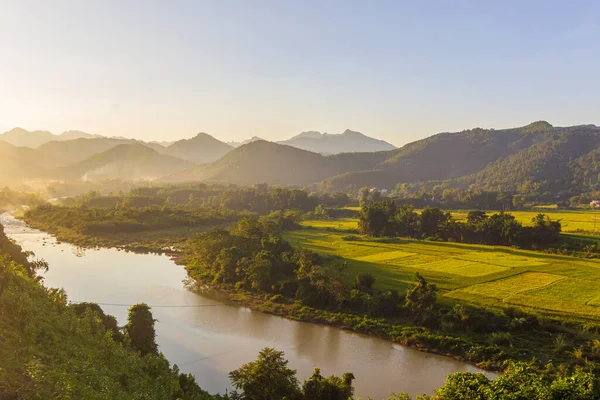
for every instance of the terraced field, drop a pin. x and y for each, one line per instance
(494, 277)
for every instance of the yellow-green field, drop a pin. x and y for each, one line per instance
(571, 221)
(483, 275)
(343, 224)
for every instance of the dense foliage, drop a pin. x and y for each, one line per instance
(386, 219)
(261, 199)
(52, 350)
(90, 221)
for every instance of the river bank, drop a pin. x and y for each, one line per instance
(488, 350)
(415, 337)
(208, 336)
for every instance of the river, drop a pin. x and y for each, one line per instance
(209, 338)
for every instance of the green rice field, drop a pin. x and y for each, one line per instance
(494, 277)
(571, 221)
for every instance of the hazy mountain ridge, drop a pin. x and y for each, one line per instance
(76, 150)
(538, 155)
(34, 139)
(238, 144)
(552, 158)
(202, 148)
(24, 163)
(346, 142)
(132, 161)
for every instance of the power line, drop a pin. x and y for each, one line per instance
(150, 305)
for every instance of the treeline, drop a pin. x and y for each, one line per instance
(97, 220)
(53, 350)
(261, 199)
(386, 219)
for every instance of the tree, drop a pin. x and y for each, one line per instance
(333, 388)
(407, 221)
(363, 196)
(476, 217)
(434, 222)
(140, 329)
(375, 219)
(267, 378)
(364, 283)
(420, 297)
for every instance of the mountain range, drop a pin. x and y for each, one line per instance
(536, 157)
(34, 139)
(546, 158)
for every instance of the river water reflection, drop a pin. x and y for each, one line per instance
(209, 338)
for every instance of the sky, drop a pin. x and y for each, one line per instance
(396, 70)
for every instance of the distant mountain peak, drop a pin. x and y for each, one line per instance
(348, 141)
(538, 126)
(310, 134)
(349, 132)
(198, 149)
(252, 139)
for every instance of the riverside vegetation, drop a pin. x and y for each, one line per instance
(266, 261)
(55, 350)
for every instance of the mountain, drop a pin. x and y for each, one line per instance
(23, 138)
(267, 162)
(347, 142)
(23, 163)
(70, 135)
(73, 151)
(238, 144)
(202, 148)
(545, 157)
(540, 156)
(132, 161)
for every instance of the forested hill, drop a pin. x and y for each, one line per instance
(267, 162)
(546, 157)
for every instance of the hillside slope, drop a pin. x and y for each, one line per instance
(346, 142)
(76, 150)
(267, 162)
(23, 163)
(125, 161)
(202, 148)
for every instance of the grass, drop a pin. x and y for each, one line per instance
(488, 276)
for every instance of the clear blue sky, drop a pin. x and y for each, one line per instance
(397, 70)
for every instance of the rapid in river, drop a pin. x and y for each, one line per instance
(208, 337)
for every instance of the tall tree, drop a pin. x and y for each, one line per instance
(140, 329)
(267, 378)
(420, 297)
